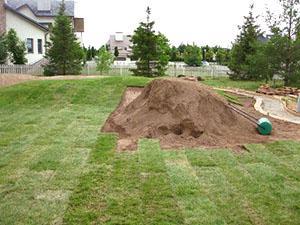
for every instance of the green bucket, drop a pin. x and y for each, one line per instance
(264, 126)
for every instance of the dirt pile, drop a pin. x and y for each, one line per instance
(179, 113)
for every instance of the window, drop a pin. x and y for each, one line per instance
(29, 44)
(40, 46)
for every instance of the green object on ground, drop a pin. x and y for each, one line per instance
(264, 126)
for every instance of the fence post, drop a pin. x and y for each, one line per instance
(298, 105)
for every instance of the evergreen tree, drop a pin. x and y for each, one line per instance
(16, 48)
(149, 49)
(163, 53)
(89, 56)
(244, 46)
(93, 52)
(3, 49)
(116, 52)
(64, 52)
(181, 48)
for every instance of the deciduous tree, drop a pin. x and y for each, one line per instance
(193, 55)
(104, 60)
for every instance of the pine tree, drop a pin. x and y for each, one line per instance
(89, 54)
(93, 52)
(64, 52)
(150, 50)
(244, 46)
(163, 53)
(16, 48)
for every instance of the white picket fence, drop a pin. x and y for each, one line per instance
(173, 70)
(21, 69)
(122, 70)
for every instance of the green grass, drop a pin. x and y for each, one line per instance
(224, 82)
(230, 98)
(57, 168)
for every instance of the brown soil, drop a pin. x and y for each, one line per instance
(181, 114)
(12, 79)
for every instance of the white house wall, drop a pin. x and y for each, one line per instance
(26, 30)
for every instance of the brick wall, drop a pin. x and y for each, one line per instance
(2, 17)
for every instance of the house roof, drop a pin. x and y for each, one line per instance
(263, 38)
(32, 4)
(6, 6)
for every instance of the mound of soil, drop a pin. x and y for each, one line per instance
(180, 113)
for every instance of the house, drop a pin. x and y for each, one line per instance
(264, 39)
(32, 19)
(122, 43)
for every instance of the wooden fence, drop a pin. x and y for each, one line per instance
(21, 69)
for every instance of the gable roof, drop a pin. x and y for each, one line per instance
(32, 4)
(6, 6)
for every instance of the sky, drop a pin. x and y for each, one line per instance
(203, 22)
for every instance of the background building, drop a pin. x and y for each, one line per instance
(122, 43)
(32, 19)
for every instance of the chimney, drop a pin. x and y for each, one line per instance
(44, 5)
(2, 17)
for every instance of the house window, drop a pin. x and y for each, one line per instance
(40, 46)
(29, 45)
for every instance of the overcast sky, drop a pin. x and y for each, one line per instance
(211, 22)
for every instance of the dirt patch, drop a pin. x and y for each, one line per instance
(185, 114)
(12, 79)
(53, 195)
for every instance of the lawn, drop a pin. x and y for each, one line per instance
(56, 167)
(224, 82)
